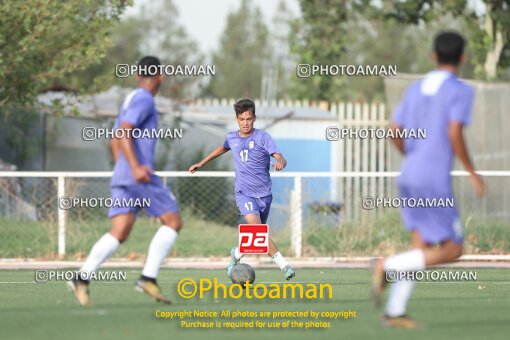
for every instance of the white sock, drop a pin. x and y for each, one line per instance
(411, 260)
(279, 260)
(101, 250)
(158, 250)
(399, 295)
(237, 254)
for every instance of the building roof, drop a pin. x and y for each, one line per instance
(107, 103)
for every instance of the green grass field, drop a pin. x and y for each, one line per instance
(202, 238)
(463, 310)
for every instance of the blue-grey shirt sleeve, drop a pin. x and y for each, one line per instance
(398, 114)
(225, 144)
(461, 108)
(269, 144)
(138, 109)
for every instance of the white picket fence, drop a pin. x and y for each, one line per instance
(322, 104)
(356, 155)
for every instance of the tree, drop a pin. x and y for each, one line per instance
(43, 41)
(281, 63)
(382, 41)
(377, 42)
(489, 32)
(240, 58)
(126, 39)
(167, 39)
(153, 31)
(46, 40)
(320, 37)
(365, 32)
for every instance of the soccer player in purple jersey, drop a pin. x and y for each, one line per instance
(441, 104)
(134, 178)
(251, 150)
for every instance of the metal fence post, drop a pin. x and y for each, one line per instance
(61, 192)
(297, 218)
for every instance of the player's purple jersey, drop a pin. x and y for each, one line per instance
(431, 104)
(139, 110)
(252, 160)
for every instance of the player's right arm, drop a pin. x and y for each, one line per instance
(220, 150)
(460, 150)
(114, 146)
(397, 141)
(398, 122)
(459, 116)
(141, 173)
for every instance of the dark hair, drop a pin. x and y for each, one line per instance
(145, 63)
(244, 105)
(449, 47)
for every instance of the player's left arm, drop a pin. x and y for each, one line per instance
(139, 109)
(281, 162)
(271, 148)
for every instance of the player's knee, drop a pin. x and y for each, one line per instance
(172, 221)
(123, 238)
(453, 251)
(177, 225)
(120, 236)
(457, 251)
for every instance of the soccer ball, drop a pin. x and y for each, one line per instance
(243, 273)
